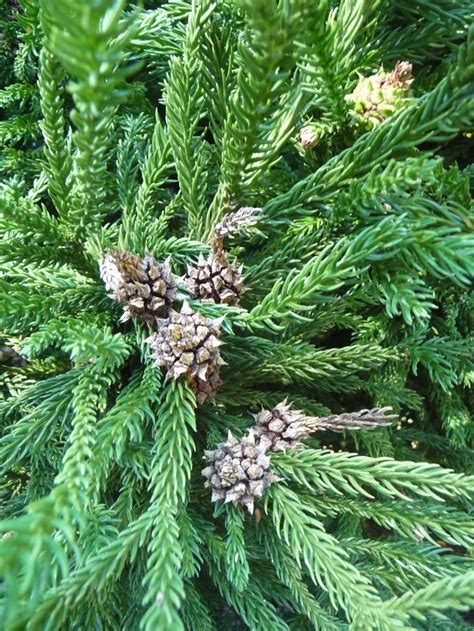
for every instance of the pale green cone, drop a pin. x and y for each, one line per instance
(377, 97)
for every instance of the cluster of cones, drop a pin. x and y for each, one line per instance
(186, 343)
(239, 470)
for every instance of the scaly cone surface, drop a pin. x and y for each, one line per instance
(187, 344)
(282, 428)
(239, 471)
(377, 97)
(215, 279)
(146, 288)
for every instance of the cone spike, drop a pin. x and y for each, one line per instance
(186, 309)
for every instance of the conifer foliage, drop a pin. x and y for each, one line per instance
(233, 232)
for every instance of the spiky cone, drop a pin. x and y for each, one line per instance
(377, 97)
(145, 287)
(238, 471)
(282, 428)
(216, 279)
(187, 345)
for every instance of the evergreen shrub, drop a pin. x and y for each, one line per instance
(236, 236)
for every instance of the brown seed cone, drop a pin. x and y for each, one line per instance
(187, 344)
(239, 471)
(283, 428)
(146, 287)
(215, 279)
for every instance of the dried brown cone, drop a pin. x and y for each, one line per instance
(216, 279)
(187, 345)
(146, 288)
(282, 428)
(239, 471)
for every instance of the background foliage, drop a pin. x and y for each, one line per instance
(138, 128)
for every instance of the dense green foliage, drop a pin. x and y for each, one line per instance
(138, 129)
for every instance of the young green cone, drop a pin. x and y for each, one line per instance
(377, 97)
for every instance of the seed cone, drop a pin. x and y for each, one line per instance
(187, 344)
(282, 428)
(146, 287)
(239, 471)
(215, 279)
(376, 97)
